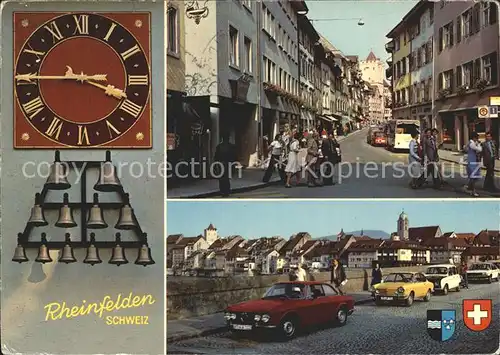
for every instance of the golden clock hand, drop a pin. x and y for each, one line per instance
(31, 77)
(109, 90)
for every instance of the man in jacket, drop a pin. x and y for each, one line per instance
(225, 157)
(337, 276)
(490, 154)
(312, 159)
(431, 157)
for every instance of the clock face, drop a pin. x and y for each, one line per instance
(82, 80)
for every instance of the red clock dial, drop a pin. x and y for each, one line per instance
(83, 80)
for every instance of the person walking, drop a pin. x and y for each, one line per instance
(329, 149)
(312, 159)
(376, 275)
(490, 154)
(293, 165)
(275, 161)
(431, 157)
(474, 150)
(301, 273)
(465, 278)
(337, 276)
(415, 162)
(225, 156)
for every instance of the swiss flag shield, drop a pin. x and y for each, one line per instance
(477, 314)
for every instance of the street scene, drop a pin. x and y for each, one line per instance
(445, 261)
(408, 111)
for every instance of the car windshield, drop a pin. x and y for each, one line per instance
(479, 267)
(497, 264)
(398, 277)
(285, 290)
(379, 134)
(437, 271)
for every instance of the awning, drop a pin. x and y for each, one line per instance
(460, 103)
(325, 118)
(331, 118)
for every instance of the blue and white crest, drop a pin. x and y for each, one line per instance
(441, 324)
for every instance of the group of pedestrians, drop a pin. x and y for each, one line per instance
(338, 276)
(424, 161)
(322, 156)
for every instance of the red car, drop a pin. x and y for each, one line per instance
(288, 307)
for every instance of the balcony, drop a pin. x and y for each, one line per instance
(388, 72)
(389, 47)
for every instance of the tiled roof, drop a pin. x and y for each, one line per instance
(371, 57)
(236, 251)
(211, 227)
(187, 241)
(391, 244)
(467, 236)
(422, 232)
(173, 238)
(438, 242)
(293, 241)
(487, 237)
(480, 251)
(447, 234)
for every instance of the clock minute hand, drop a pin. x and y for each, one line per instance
(31, 77)
(109, 90)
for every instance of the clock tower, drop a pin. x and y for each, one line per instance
(403, 226)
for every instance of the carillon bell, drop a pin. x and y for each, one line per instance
(43, 252)
(108, 180)
(96, 219)
(92, 257)
(66, 215)
(20, 252)
(118, 257)
(67, 255)
(144, 256)
(127, 220)
(58, 178)
(37, 218)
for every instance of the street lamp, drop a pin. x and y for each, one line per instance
(360, 20)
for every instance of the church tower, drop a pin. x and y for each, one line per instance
(403, 225)
(210, 234)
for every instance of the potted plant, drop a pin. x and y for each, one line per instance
(481, 84)
(462, 90)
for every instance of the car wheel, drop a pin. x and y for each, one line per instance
(410, 299)
(378, 302)
(457, 288)
(490, 279)
(288, 327)
(427, 297)
(445, 290)
(341, 316)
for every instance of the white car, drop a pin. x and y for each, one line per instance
(483, 272)
(445, 277)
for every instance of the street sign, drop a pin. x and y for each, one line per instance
(495, 100)
(483, 112)
(493, 111)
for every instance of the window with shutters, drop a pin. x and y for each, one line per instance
(447, 79)
(486, 68)
(423, 54)
(415, 93)
(467, 24)
(459, 28)
(447, 36)
(476, 70)
(467, 74)
(485, 14)
(458, 73)
(476, 18)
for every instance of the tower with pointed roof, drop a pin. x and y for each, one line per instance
(403, 226)
(210, 234)
(373, 73)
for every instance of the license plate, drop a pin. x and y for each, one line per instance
(242, 327)
(386, 298)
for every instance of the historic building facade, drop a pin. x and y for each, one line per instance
(373, 72)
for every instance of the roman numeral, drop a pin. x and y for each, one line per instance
(31, 51)
(130, 52)
(131, 108)
(83, 136)
(110, 31)
(112, 129)
(82, 24)
(55, 128)
(33, 107)
(54, 30)
(138, 80)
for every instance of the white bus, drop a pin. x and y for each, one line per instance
(399, 133)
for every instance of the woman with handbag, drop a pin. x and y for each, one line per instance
(338, 277)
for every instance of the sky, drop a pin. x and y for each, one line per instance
(379, 17)
(254, 219)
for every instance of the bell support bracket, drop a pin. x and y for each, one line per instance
(84, 207)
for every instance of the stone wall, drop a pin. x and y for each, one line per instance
(195, 296)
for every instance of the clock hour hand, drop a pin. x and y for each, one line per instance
(109, 90)
(68, 76)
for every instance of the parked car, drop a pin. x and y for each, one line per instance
(496, 263)
(403, 287)
(288, 307)
(445, 277)
(379, 139)
(371, 131)
(483, 272)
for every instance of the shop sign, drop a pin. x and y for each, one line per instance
(493, 111)
(483, 112)
(495, 100)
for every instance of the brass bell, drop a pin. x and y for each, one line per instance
(118, 257)
(108, 180)
(92, 257)
(43, 252)
(58, 178)
(96, 219)
(127, 220)
(37, 218)
(144, 255)
(66, 215)
(20, 252)
(67, 255)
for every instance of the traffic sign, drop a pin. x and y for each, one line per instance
(483, 112)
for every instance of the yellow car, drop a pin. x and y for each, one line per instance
(403, 287)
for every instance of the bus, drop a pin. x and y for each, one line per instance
(398, 133)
